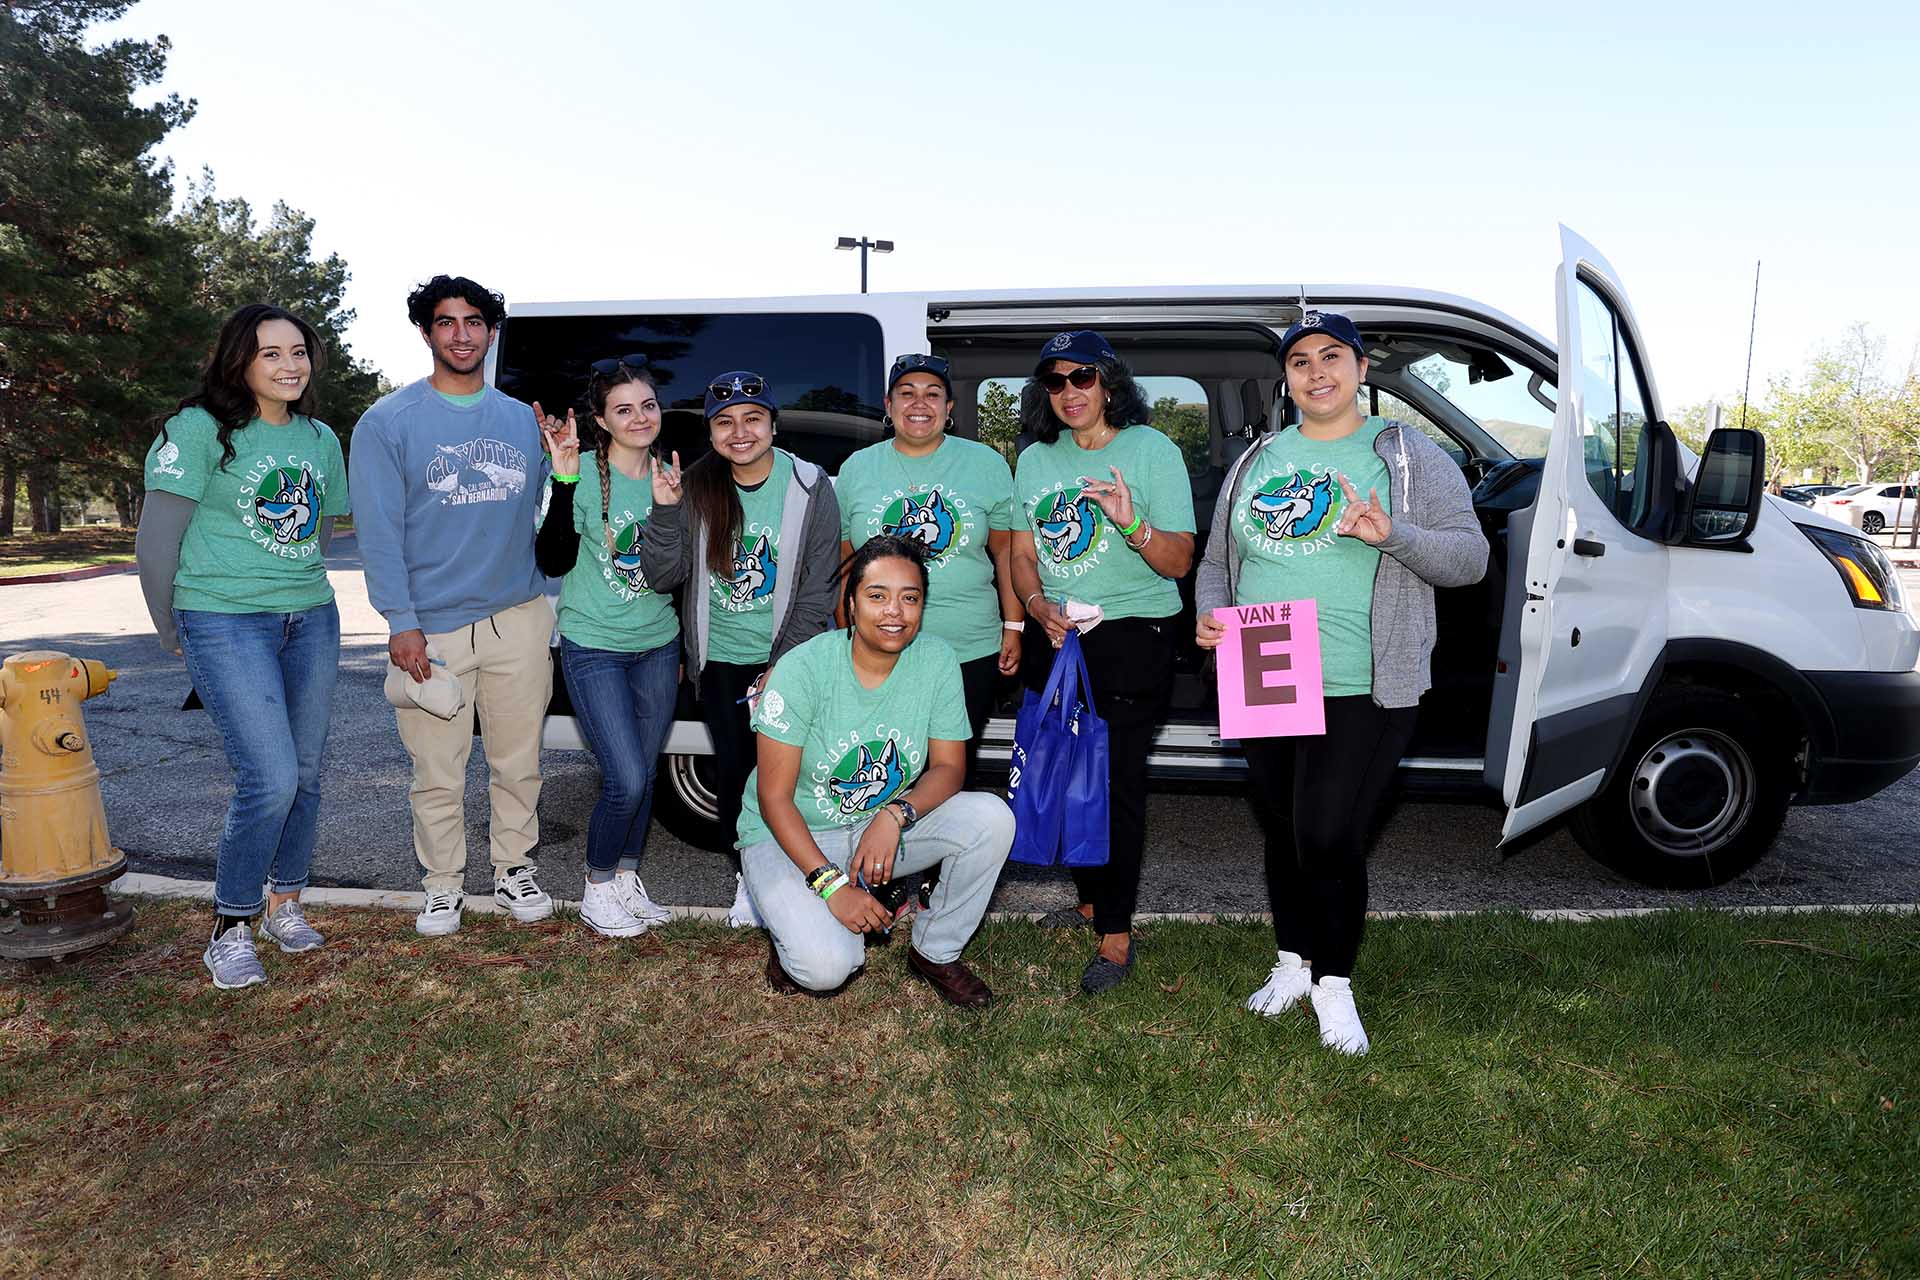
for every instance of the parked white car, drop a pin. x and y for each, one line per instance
(1873, 508)
(1659, 653)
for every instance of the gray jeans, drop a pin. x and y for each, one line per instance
(968, 835)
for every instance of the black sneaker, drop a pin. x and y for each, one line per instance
(1102, 975)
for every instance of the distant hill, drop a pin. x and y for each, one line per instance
(1521, 439)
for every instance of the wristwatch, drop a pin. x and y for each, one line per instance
(907, 814)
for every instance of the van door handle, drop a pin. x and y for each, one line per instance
(1588, 547)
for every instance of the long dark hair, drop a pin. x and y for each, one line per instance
(1126, 403)
(716, 503)
(853, 570)
(599, 387)
(224, 392)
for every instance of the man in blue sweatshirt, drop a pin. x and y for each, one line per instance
(446, 481)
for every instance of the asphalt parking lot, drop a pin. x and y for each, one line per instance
(166, 787)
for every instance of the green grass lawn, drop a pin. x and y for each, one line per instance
(26, 554)
(1679, 1095)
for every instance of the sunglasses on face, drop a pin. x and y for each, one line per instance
(614, 364)
(724, 391)
(1055, 382)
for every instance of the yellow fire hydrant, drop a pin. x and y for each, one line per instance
(55, 857)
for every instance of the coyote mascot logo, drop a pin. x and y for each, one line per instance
(928, 521)
(872, 782)
(625, 559)
(754, 571)
(291, 513)
(1297, 508)
(1069, 527)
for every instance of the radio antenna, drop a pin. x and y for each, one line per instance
(1753, 322)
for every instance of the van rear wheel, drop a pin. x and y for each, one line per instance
(685, 803)
(1699, 797)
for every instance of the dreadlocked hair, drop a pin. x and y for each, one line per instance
(599, 387)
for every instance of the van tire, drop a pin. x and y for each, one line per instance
(1725, 774)
(683, 802)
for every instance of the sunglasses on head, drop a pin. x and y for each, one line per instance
(935, 365)
(724, 391)
(1055, 382)
(613, 364)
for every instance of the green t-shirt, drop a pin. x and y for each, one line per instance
(466, 401)
(1082, 555)
(253, 545)
(859, 747)
(741, 620)
(948, 499)
(1288, 503)
(605, 602)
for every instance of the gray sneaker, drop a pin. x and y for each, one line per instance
(231, 961)
(287, 925)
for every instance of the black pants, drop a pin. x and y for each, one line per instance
(735, 749)
(1130, 666)
(1321, 800)
(978, 681)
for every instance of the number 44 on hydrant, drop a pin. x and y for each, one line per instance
(55, 857)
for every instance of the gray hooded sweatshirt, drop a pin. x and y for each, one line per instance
(671, 553)
(1436, 542)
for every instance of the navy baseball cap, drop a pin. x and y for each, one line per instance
(915, 362)
(1083, 345)
(1331, 323)
(742, 386)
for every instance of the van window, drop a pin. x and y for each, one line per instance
(1178, 408)
(825, 369)
(1615, 419)
(1516, 410)
(1385, 404)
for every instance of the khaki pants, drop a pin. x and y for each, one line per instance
(504, 666)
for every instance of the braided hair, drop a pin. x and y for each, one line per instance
(599, 387)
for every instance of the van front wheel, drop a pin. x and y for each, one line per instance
(1699, 797)
(685, 803)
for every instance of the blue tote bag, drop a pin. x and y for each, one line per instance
(1058, 783)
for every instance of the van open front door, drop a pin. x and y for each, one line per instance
(1593, 617)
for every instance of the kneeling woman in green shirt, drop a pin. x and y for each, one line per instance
(1290, 525)
(619, 638)
(863, 738)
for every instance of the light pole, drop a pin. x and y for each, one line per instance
(863, 244)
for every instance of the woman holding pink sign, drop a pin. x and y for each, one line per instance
(1291, 524)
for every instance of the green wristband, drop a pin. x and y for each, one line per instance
(1133, 528)
(572, 479)
(834, 886)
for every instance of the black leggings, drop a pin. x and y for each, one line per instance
(1320, 800)
(735, 748)
(979, 679)
(1130, 665)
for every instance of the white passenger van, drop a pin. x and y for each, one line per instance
(1659, 652)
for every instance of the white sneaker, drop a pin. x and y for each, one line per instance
(1339, 1021)
(1285, 985)
(522, 895)
(441, 915)
(603, 910)
(742, 915)
(634, 894)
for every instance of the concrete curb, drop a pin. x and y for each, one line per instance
(71, 575)
(150, 886)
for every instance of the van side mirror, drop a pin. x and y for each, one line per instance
(1725, 502)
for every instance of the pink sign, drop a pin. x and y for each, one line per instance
(1269, 665)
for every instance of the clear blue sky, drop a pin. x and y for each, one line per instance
(591, 150)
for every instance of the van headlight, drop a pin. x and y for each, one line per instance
(1870, 576)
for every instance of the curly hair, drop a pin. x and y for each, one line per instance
(223, 390)
(599, 387)
(1126, 403)
(853, 570)
(422, 301)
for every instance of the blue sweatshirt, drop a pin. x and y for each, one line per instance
(446, 499)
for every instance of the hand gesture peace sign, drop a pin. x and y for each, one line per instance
(1367, 521)
(1112, 497)
(666, 480)
(562, 441)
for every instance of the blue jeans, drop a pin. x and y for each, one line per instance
(267, 682)
(623, 703)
